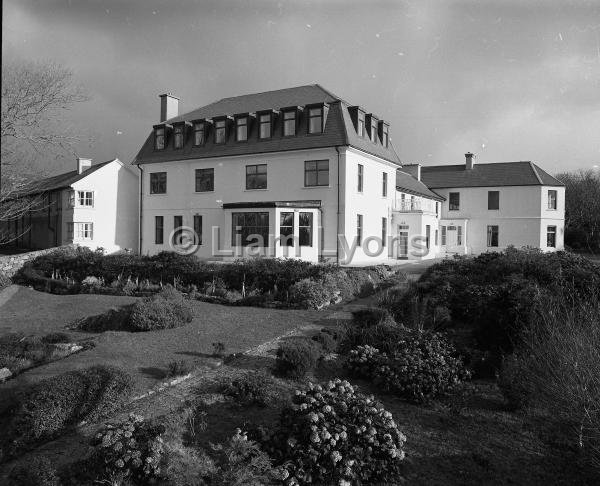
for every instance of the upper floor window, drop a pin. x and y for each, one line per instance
(265, 125)
(384, 185)
(316, 173)
(384, 133)
(159, 138)
(551, 237)
(158, 183)
(241, 128)
(361, 170)
(178, 135)
(85, 198)
(492, 236)
(199, 133)
(360, 127)
(552, 198)
(205, 180)
(373, 130)
(289, 123)
(220, 131)
(256, 176)
(493, 199)
(454, 201)
(315, 120)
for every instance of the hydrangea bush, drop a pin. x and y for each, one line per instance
(422, 367)
(132, 448)
(334, 435)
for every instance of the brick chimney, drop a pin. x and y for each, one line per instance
(413, 169)
(469, 162)
(169, 106)
(83, 164)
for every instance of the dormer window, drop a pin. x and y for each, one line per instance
(315, 119)
(384, 133)
(159, 137)
(241, 128)
(289, 123)
(220, 131)
(199, 133)
(178, 135)
(360, 128)
(372, 126)
(265, 125)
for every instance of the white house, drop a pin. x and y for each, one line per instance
(310, 176)
(94, 206)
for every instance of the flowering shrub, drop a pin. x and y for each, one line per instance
(328, 340)
(132, 448)
(422, 367)
(335, 435)
(309, 293)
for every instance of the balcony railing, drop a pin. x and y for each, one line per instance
(413, 206)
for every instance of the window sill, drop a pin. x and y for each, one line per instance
(157, 194)
(252, 190)
(204, 192)
(317, 187)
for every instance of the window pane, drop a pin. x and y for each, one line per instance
(199, 134)
(158, 230)
(242, 133)
(205, 180)
(493, 200)
(159, 138)
(305, 229)
(286, 229)
(314, 124)
(198, 229)
(323, 177)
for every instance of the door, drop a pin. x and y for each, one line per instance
(402, 250)
(451, 236)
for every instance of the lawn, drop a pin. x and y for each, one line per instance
(146, 354)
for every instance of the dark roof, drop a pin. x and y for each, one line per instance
(274, 204)
(339, 129)
(487, 175)
(59, 181)
(407, 183)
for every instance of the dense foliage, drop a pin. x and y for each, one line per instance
(373, 327)
(45, 409)
(165, 310)
(334, 435)
(494, 294)
(295, 358)
(423, 366)
(253, 388)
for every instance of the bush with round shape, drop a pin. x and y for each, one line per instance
(47, 408)
(383, 336)
(334, 435)
(37, 471)
(253, 388)
(371, 317)
(422, 367)
(295, 358)
(310, 294)
(327, 339)
(166, 310)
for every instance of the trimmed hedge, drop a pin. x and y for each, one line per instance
(46, 409)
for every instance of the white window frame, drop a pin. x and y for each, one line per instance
(87, 197)
(78, 231)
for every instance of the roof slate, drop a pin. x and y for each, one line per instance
(487, 175)
(60, 181)
(407, 183)
(339, 129)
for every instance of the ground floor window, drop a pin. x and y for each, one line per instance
(551, 237)
(359, 229)
(198, 228)
(427, 235)
(159, 229)
(286, 229)
(436, 237)
(247, 228)
(305, 229)
(383, 232)
(177, 230)
(443, 236)
(459, 235)
(80, 231)
(492, 236)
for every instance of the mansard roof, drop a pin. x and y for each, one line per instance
(338, 130)
(524, 173)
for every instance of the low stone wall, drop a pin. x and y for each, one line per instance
(11, 264)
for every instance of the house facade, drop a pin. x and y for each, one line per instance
(94, 206)
(301, 173)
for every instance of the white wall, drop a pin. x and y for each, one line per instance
(285, 182)
(115, 210)
(522, 216)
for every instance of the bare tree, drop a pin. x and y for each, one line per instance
(35, 98)
(582, 208)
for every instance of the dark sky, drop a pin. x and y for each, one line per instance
(506, 79)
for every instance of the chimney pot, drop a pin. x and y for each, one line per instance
(83, 164)
(469, 162)
(169, 106)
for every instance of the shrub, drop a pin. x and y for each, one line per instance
(513, 382)
(166, 310)
(111, 320)
(384, 336)
(310, 294)
(297, 357)
(48, 407)
(218, 349)
(179, 368)
(371, 317)
(132, 448)
(253, 388)
(421, 368)
(56, 337)
(327, 339)
(335, 435)
(38, 471)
